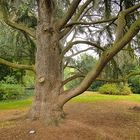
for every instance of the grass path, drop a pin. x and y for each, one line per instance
(84, 98)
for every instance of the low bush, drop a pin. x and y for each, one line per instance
(111, 89)
(11, 91)
(114, 89)
(125, 90)
(134, 83)
(29, 80)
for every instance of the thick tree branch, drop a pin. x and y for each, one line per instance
(16, 66)
(105, 58)
(21, 27)
(121, 21)
(132, 9)
(81, 10)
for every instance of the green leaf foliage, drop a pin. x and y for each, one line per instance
(125, 90)
(134, 82)
(11, 91)
(114, 89)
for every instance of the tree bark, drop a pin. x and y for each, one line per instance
(48, 77)
(48, 68)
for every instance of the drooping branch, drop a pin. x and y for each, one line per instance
(132, 74)
(82, 75)
(75, 18)
(90, 48)
(73, 77)
(105, 58)
(13, 24)
(110, 80)
(16, 66)
(126, 12)
(70, 66)
(124, 79)
(91, 23)
(21, 27)
(75, 21)
(77, 42)
(66, 63)
(70, 13)
(71, 44)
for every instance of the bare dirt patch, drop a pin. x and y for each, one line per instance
(84, 121)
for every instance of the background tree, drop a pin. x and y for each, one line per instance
(56, 20)
(15, 47)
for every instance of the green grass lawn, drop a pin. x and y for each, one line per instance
(94, 97)
(84, 98)
(15, 104)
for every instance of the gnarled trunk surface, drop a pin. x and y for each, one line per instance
(48, 77)
(46, 105)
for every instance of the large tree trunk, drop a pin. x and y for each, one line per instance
(46, 104)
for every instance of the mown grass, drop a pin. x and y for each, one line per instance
(94, 97)
(15, 104)
(87, 97)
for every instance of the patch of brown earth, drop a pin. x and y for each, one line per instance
(11, 114)
(84, 121)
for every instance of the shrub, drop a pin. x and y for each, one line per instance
(10, 80)
(125, 90)
(114, 89)
(11, 91)
(29, 80)
(134, 83)
(111, 89)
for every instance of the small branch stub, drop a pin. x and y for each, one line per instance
(41, 80)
